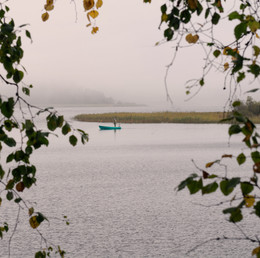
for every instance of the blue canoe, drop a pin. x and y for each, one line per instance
(103, 127)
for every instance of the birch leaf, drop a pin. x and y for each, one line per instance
(192, 39)
(49, 7)
(99, 3)
(33, 222)
(45, 16)
(94, 30)
(88, 4)
(193, 4)
(226, 66)
(249, 200)
(93, 14)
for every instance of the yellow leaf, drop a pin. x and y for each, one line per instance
(226, 66)
(45, 16)
(88, 25)
(99, 3)
(88, 4)
(0, 201)
(249, 200)
(192, 39)
(257, 35)
(225, 50)
(164, 17)
(49, 2)
(193, 4)
(208, 165)
(93, 14)
(49, 7)
(33, 222)
(94, 30)
(31, 211)
(256, 251)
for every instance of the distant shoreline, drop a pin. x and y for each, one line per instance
(158, 117)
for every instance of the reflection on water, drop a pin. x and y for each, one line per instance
(118, 192)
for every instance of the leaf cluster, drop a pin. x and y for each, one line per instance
(20, 136)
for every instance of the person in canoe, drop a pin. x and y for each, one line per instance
(114, 122)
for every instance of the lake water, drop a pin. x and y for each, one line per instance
(118, 192)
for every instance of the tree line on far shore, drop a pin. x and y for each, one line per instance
(250, 107)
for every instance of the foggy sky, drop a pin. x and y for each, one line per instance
(121, 60)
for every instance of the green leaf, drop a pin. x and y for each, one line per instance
(241, 76)
(240, 29)
(235, 15)
(10, 185)
(238, 63)
(246, 188)
(6, 28)
(235, 214)
(163, 8)
(26, 91)
(210, 188)
(241, 158)
(2, 172)
(73, 140)
(227, 186)
(9, 195)
(207, 13)
(52, 123)
(10, 142)
(18, 76)
(2, 13)
(253, 90)
(40, 254)
(66, 129)
(185, 16)
(194, 186)
(257, 208)
(175, 23)
(254, 69)
(215, 18)
(175, 11)
(168, 34)
(60, 121)
(17, 200)
(216, 53)
(40, 218)
(236, 103)
(255, 156)
(185, 182)
(7, 108)
(202, 82)
(234, 129)
(28, 34)
(10, 158)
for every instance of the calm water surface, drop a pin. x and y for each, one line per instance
(118, 193)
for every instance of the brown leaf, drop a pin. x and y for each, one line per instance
(20, 186)
(227, 156)
(256, 167)
(205, 174)
(192, 39)
(88, 4)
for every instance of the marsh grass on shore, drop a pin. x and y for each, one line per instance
(157, 117)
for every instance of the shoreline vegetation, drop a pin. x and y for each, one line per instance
(159, 117)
